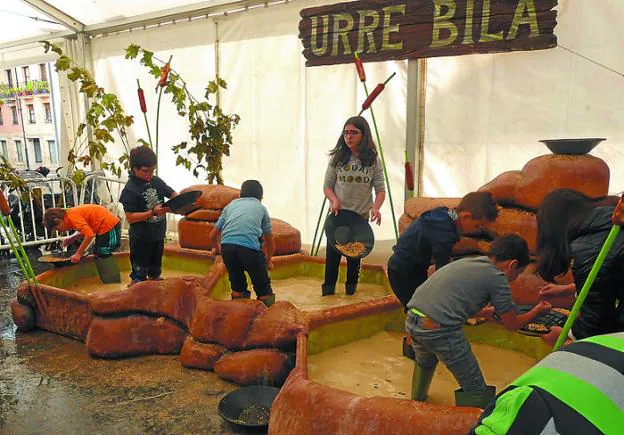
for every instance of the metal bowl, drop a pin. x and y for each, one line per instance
(572, 146)
(235, 402)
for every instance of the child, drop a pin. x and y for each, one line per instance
(571, 228)
(242, 227)
(353, 172)
(142, 199)
(92, 221)
(456, 292)
(432, 236)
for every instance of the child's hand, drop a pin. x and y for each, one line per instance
(543, 307)
(375, 216)
(335, 207)
(270, 265)
(159, 210)
(552, 290)
(76, 257)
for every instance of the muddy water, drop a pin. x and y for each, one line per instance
(305, 293)
(375, 367)
(49, 385)
(93, 284)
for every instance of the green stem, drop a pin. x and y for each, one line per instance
(383, 163)
(158, 112)
(157, 119)
(318, 223)
(587, 286)
(21, 248)
(14, 249)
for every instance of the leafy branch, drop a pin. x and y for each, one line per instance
(210, 129)
(104, 118)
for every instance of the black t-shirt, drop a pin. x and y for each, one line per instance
(140, 196)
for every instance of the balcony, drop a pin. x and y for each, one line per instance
(32, 87)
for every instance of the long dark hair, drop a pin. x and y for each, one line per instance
(367, 149)
(558, 220)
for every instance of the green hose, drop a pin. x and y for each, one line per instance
(615, 230)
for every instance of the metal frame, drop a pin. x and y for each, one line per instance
(56, 14)
(181, 13)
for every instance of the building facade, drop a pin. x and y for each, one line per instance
(27, 125)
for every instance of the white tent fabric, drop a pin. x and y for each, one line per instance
(484, 113)
(290, 115)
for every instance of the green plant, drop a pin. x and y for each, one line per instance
(104, 117)
(9, 176)
(210, 129)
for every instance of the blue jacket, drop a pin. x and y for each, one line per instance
(431, 236)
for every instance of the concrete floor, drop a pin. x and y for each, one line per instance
(49, 384)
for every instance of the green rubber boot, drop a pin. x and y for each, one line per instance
(108, 270)
(268, 301)
(421, 381)
(477, 399)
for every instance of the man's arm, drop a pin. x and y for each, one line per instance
(513, 321)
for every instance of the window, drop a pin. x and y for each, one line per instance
(53, 152)
(31, 113)
(14, 114)
(48, 112)
(20, 153)
(37, 148)
(9, 78)
(43, 70)
(1, 120)
(26, 74)
(5, 152)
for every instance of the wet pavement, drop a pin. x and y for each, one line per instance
(49, 384)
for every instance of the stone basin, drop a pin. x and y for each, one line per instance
(66, 291)
(335, 401)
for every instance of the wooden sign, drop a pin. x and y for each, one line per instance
(393, 29)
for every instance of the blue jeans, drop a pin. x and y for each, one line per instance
(449, 345)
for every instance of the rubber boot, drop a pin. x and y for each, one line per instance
(421, 381)
(350, 289)
(268, 301)
(328, 289)
(108, 269)
(408, 350)
(477, 399)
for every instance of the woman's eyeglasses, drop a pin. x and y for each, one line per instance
(351, 132)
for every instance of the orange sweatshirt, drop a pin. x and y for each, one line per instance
(90, 219)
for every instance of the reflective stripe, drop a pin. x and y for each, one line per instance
(579, 395)
(601, 376)
(550, 428)
(418, 313)
(505, 412)
(613, 341)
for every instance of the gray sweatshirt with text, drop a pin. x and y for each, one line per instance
(353, 184)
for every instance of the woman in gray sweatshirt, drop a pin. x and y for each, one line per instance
(353, 172)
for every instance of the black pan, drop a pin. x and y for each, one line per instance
(248, 406)
(58, 259)
(553, 318)
(349, 227)
(184, 203)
